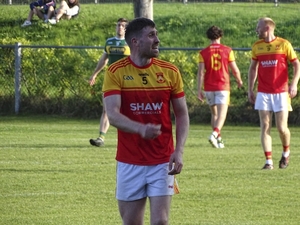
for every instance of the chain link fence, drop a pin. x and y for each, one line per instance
(49, 84)
(54, 80)
(59, 85)
(22, 2)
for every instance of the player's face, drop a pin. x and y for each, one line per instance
(148, 43)
(261, 30)
(120, 29)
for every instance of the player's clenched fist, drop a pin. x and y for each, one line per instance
(150, 131)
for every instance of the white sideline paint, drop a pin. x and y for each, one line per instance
(37, 194)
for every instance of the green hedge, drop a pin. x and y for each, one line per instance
(54, 80)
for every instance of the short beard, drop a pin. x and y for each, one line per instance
(261, 36)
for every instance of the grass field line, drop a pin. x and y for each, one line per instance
(73, 183)
(37, 194)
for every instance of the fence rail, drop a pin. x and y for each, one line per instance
(18, 61)
(24, 2)
(33, 80)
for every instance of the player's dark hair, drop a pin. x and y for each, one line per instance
(122, 20)
(214, 33)
(135, 27)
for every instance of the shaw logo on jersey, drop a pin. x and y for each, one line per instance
(269, 63)
(146, 108)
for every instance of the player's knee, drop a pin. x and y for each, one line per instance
(283, 130)
(160, 221)
(265, 126)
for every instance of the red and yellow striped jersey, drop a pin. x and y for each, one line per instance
(273, 64)
(216, 58)
(146, 93)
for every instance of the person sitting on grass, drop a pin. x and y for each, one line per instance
(67, 9)
(44, 9)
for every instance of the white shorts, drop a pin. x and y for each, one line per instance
(273, 102)
(137, 182)
(217, 97)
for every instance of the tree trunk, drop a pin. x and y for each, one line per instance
(143, 8)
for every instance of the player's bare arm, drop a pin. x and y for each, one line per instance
(200, 78)
(236, 73)
(182, 128)
(101, 64)
(294, 83)
(252, 75)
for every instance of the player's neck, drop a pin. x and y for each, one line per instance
(217, 41)
(120, 37)
(270, 38)
(140, 61)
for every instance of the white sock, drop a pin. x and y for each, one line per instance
(286, 154)
(215, 134)
(269, 161)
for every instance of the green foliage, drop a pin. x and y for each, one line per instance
(54, 80)
(179, 25)
(51, 175)
(56, 77)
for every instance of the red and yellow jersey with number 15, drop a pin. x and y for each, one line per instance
(146, 94)
(216, 58)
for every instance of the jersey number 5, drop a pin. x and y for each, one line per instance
(145, 80)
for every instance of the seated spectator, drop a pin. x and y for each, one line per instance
(68, 9)
(44, 9)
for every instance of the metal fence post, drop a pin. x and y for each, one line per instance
(17, 77)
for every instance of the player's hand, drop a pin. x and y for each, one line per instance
(150, 131)
(201, 95)
(292, 91)
(251, 97)
(92, 80)
(240, 83)
(175, 163)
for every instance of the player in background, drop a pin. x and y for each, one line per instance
(270, 56)
(139, 92)
(214, 78)
(115, 48)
